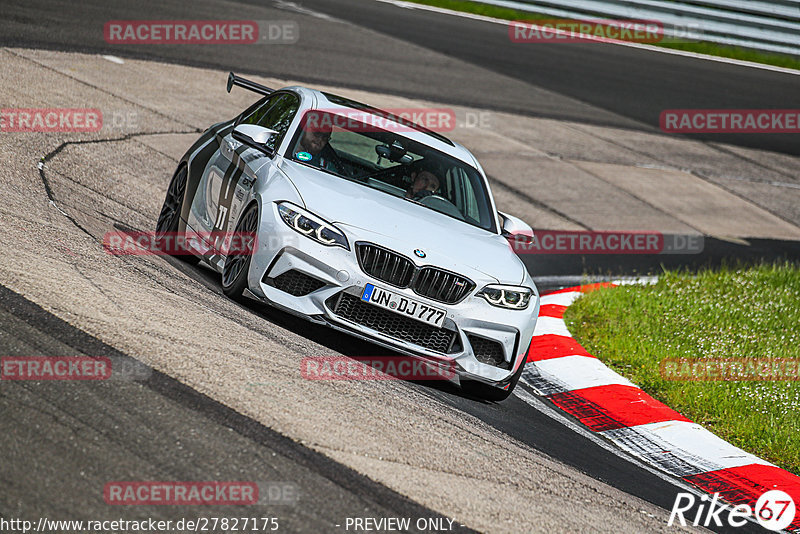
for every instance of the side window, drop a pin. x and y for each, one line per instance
(276, 114)
(260, 110)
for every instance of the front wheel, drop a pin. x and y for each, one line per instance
(237, 264)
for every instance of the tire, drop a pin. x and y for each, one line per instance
(493, 393)
(237, 266)
(170, 215)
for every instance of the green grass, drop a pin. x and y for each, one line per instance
(727, 313)
(733, 52)
(486, 10)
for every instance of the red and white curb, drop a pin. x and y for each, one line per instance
(578, 383)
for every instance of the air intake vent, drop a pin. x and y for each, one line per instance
(355, 310)
(295, 283)
(488, 351)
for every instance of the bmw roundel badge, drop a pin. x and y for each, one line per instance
(419, 253)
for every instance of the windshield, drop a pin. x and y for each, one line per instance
(369, 154)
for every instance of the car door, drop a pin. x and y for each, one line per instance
(233, 170)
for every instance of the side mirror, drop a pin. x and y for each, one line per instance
(515, 228)
(254, 136)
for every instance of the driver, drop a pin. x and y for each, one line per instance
(425, 184)
(315, 142)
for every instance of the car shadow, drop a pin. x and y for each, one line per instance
(349, 346)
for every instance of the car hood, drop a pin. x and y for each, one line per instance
(371, 215)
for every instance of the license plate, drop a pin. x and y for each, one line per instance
(404, 306)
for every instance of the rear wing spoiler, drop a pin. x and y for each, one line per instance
(247, 84)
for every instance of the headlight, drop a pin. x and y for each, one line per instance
(311, 226)
(511, 297)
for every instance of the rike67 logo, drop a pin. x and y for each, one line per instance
(774, 510)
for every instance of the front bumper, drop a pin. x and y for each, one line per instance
(336, 277)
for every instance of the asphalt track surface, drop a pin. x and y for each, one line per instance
(616, 94)
(125, 427)
(600, 84)
(72, 438)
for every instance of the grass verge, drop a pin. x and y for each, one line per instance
(728, 313)
(712, 49)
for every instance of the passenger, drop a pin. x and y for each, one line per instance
(425, 184)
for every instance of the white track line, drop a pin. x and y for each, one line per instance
(550, 325)
(597, 438)
(561, 299)
(610, 445)
(690, 441)
(579, 372)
